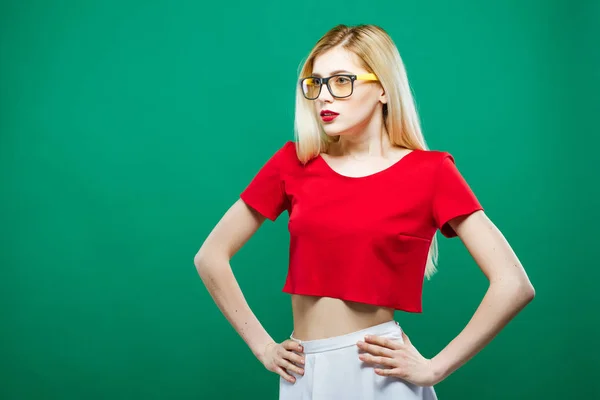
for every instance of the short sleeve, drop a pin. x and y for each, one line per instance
(265, 193)
(452, 196)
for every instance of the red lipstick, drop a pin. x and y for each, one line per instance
(328, 115)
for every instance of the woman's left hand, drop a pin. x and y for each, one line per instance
(401, 360)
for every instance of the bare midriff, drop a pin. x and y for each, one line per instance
(324, 317)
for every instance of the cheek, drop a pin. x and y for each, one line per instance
(354, 111)
(359, 109)
(351, 116)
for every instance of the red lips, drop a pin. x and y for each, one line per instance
(328, 112)
(328, 115)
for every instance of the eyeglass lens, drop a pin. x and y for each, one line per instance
(340, 86)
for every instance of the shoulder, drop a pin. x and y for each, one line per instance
(284, 152)
(287, 155)
(436, 156)
(287, 149)
(431, 161)
(283, 158)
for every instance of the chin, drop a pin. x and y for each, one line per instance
(333, 131)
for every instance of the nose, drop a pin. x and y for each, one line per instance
(325, 95)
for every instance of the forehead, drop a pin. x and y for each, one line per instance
(335, 59)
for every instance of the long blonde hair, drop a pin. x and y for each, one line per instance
(378, 55)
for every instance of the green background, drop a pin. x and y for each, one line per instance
(128, 128)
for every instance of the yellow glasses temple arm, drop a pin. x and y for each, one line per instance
(367, 77)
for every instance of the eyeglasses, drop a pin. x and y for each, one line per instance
(340, 86)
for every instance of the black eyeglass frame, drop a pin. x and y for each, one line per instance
(352, 77)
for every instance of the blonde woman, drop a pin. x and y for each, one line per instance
(365, 198)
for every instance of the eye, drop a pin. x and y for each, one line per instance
(342, 80)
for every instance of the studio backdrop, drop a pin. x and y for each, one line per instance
(127, 129)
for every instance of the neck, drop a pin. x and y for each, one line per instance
(368, 140)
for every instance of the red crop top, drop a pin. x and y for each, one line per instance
(362, 239)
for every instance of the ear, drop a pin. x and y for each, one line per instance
(383, 97)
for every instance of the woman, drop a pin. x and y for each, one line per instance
(365, 198)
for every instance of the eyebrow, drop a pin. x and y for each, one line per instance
(337, 71)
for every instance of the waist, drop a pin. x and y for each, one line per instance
(324, 317)
(388, 328)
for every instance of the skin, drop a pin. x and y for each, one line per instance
(363, 149)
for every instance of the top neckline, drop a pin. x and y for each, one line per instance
(374, 174)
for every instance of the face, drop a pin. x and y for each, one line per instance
(354, 112)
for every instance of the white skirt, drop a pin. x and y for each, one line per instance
(333, 370)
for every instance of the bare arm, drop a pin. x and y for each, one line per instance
(212, 262)
(508, 293)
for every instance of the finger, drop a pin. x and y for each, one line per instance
(291, 367)
(292, 345)
(383, 361)
(384, 371)
(382, 341)
(299, 359)
(397, 372)
(285, 375)
(405, 337)
(375, 349)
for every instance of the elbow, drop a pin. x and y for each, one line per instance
(202, 261)
(530, 291)
(206, 260)
(201, 258)
(517, 289)
(524, 291)
(199, 261)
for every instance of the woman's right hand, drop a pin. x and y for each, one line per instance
(279, 357)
